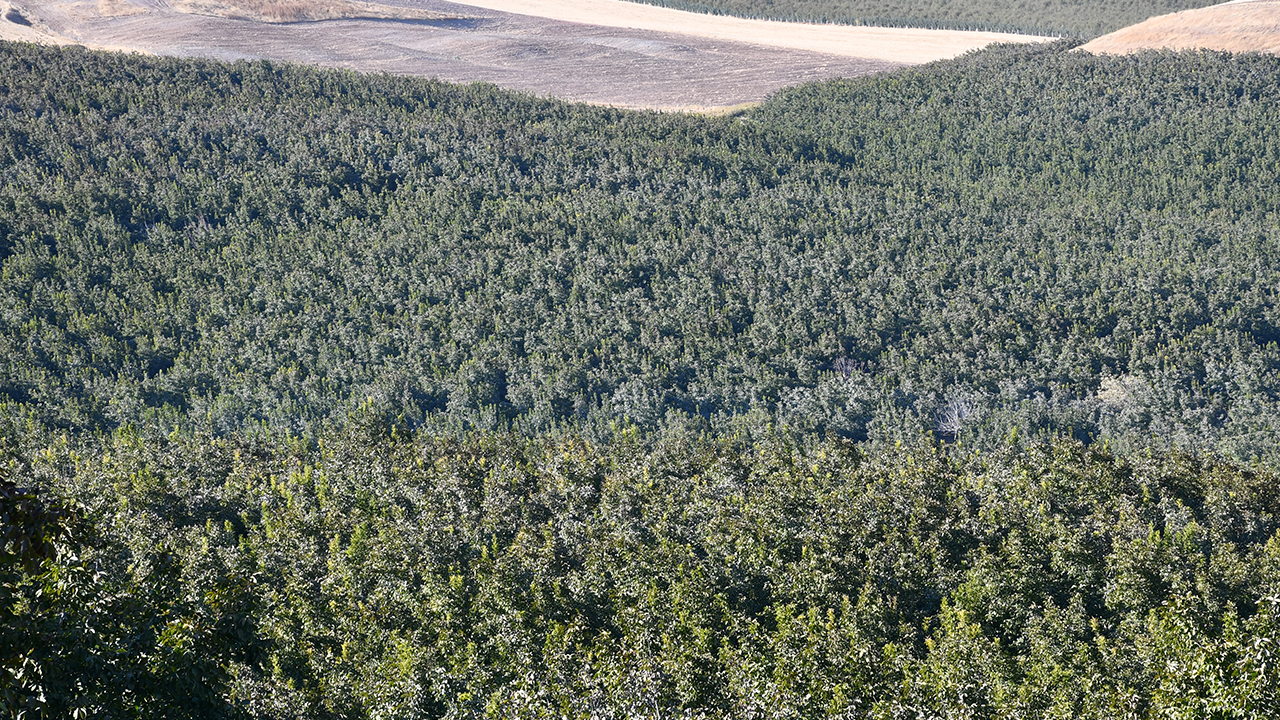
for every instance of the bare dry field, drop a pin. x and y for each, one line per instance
(1240, 26)
(903, 45)
(18, 24)
(600, 51)
(15, 26)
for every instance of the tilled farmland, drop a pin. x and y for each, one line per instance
(621, 66)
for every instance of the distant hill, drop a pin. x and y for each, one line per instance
(1240, 26)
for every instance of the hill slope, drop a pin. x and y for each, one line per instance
(1031, 239)
(1242, 26)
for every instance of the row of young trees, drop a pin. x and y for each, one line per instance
(1062, 18)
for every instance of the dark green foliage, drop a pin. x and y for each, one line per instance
(30, 529)
(1063, 18)
(1027, 239)
(426, 576)
(94, 627)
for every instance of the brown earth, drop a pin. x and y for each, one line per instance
(1242, 26)
(626, 55)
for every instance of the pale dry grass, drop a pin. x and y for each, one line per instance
(1235, 26)
(291, 11)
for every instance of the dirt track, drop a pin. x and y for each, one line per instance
(671, 60)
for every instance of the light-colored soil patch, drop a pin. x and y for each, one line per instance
(903, 45)
(1251, 25)
(23, 23)
(16, 25)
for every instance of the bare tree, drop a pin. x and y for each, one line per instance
(844, 366)
(950, 418)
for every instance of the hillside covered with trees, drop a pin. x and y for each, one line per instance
(1062, 18)
(948, 392)
(1024, 238)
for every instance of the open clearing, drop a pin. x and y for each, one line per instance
(600, 51)
(1240, 26)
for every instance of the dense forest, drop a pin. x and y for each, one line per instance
(1030, 239)
(1062, 18)
(951, 392)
